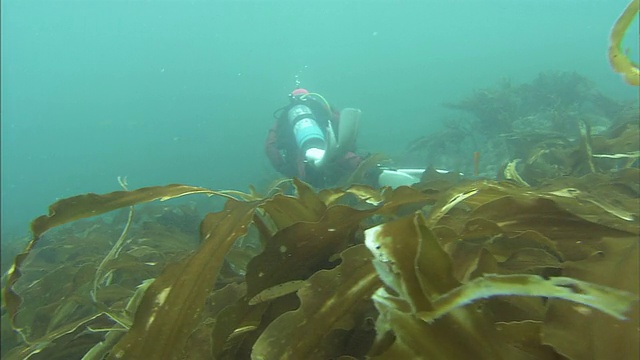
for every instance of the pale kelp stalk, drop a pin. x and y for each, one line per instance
(511, 172)
(115, 250)
(619, 61)
(630, 155)
(99, 350)
(585, 135)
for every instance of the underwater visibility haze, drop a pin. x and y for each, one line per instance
(141, 218)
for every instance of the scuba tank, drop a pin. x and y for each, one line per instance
(306, 130)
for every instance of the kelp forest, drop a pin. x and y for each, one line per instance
(529, 250)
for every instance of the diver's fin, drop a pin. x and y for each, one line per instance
(347, 133)
(400, 177)
(395, 178)
(348, 129)
(332, 150)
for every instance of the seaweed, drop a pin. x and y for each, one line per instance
(547, 101)
(541, 263)
(618, 59)
(546, 117)
(330, 300)
(449, 268)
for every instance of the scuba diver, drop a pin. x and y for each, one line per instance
(314, 142)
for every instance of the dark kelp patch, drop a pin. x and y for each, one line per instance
(328, 301)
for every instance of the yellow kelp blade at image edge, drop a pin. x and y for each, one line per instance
(619, 61)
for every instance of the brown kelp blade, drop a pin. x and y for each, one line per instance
(286, 210)
(579, 332)
(302, 248)
(415, 277)
(88, 205)
(171, 307)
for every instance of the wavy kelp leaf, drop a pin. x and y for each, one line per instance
(504, 247)
(463, 337)
(621, 215)
(404, 200)
(529, 259)
(84, 206)
(526, 336)
(597, 209)
(432, 264)
(411, 253)
(225, 296)
(578, 332)
(170, 308)
(239, 256)
(574, 237)
(528, 252)
(328, 301)
(234, 324)
(303, 248)
(481, 234)
(611, 301)
(363, 192)
(88, 205)
(619, 61)
(619, 190)
(226, 315)
(287, 210)
(423, 271)
(449, 201)
(470, 195)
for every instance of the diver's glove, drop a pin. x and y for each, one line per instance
(314, 156)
